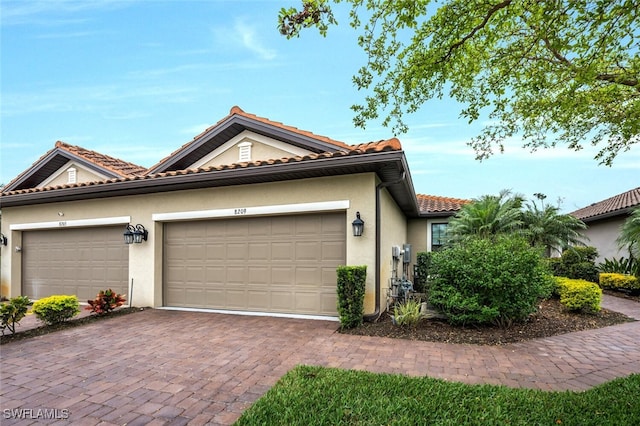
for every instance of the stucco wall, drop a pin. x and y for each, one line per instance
(393, 233)
(82, 175)
(602, 235)
(145, 260)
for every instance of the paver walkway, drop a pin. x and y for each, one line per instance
(173, 367)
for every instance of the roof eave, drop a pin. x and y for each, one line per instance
(389, 165)
(608, 215)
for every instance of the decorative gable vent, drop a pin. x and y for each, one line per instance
(71, 175)
(245, 151)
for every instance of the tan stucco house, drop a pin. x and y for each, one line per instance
(251, 216)
(604, 220)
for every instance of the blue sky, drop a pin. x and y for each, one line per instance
(137, 79)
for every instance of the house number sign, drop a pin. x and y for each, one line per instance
(239, 211)
(62, 223)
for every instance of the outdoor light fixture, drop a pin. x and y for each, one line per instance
(358, 226)
(135, 234)
(3, 239)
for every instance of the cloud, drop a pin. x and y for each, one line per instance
(250, 40)
(245, 36)
(53, 13)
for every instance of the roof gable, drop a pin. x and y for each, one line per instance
(617, 205)
(237, 122)
(57, 160)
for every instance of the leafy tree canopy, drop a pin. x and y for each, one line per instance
(551, 72)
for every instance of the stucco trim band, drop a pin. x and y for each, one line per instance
(241, 211)
(78, 223)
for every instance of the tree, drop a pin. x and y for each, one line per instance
(630, 234)
(551, 72)
(544, 226)
(487, 216)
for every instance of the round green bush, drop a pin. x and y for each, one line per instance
(489, 281)
(56, 309)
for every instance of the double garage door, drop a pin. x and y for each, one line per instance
(281, 264)
(74, 261)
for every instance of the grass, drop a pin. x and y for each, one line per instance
(328, 396)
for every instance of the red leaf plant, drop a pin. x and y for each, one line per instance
(105, 302)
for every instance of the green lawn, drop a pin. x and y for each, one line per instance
(326, 396)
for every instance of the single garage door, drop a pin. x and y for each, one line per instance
(282, 264)
(80, 261)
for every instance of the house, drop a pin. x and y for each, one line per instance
(604, 220)
(251, 216)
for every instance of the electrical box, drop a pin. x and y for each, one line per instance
(406, 248)
(395, 252)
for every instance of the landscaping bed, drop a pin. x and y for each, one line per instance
(551, 319)
(46, 329)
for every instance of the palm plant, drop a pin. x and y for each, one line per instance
(630, 234)
(487, 216)
(544, 226)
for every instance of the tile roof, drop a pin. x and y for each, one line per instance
(237, 111)
(617, 204)
(437, 204)
(115, 165)
(354, 150)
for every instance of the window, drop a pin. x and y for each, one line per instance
(438, 235)
(245, 151)
(71, 175)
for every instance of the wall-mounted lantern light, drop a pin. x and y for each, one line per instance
(3, 239)
(135, 234)
(358, 226)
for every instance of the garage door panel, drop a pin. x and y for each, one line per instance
(308, 251)
(271, 264)
(281, 274)
(75, 261)
(333, 251)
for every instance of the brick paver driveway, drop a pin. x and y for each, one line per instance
(171, 367)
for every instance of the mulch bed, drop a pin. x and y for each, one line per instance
(551, 319)
(46, 329)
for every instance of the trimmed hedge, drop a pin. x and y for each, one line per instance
(579, 295)
(351, 286)
(423, 262)
(619, 281)
(577, 263)
(56, 309)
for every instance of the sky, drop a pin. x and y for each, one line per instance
(138, 79)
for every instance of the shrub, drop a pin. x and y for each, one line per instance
(105, 302)
(12, 312)
(577, 263)
(621, 266)
(619, 281)
(407, 313)
(485, 281)
(56, 309)
(422, 272)
(579, 295)
(351, 286)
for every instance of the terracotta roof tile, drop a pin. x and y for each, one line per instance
(115, 165)
(437, 204)
(361, 149)
(609, 206)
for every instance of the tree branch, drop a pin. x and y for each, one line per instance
(477, 28)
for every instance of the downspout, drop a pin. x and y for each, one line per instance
(376, 313)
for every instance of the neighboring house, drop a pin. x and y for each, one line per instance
(604, 220)
(252, 216)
